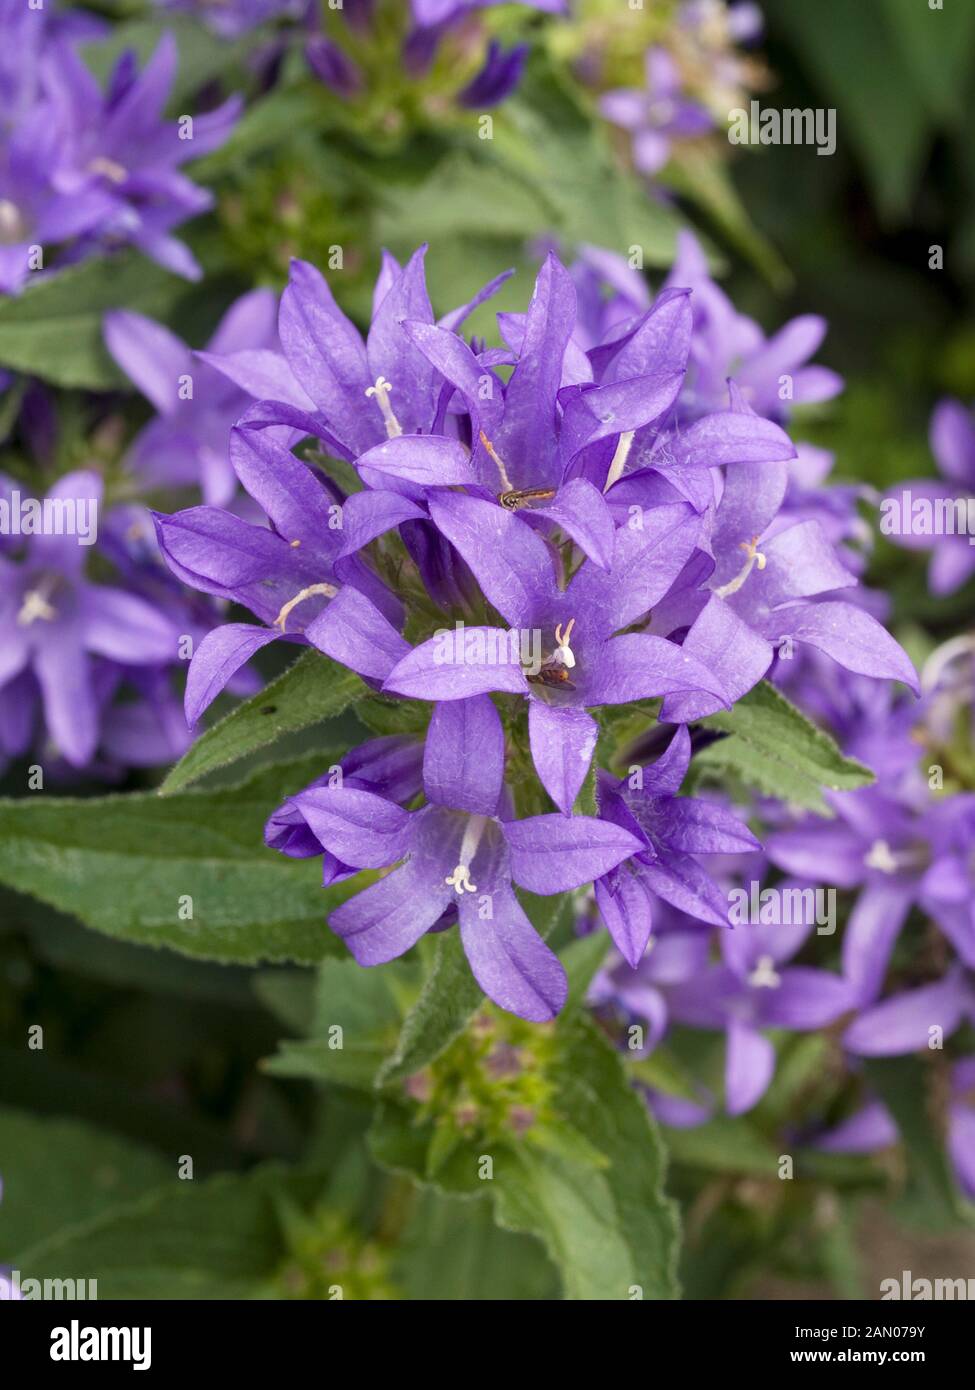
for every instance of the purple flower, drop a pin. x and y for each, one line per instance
(581, 662)
(186, 445)
(872, 1127)
(497, 79)
(771, 374)
(34, 214)
(116, 145)
(925, 514)
(753, 990)
(457, 859)
(608, 292)
(658, 115)
(55, 624)
(673, 956)
(672, 830)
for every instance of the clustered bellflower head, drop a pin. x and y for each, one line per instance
(89, 669)
(530, 538)
(88, 170)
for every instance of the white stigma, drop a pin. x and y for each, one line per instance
(381, 392)
(765, 975)
(563, 652)
(35, 606)
(460, 877)
(754, 557)
(108, 168)
(881, 856)
(329, 590)
(12, 227)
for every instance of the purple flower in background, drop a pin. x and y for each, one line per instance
(872, 1127)
(497, 79)
(926, 514)
(457, 858)
(608, 292)
(752, 990)
(673, 956)
(55, 623)
(657, 116)
(672, 830)
(187, 444)
(772, 374)
(116, 144)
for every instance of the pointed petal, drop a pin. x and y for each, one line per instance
(217, 659)
(463, 761)
(625, 908)
(510, 961)
(512, 563)
(390, 916)
(351, 629)
(637, 667)
(551, 854)
(749, 1067)
(454, 665)
(563, 740)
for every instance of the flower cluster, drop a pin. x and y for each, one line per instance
(86, 169)
(692, 76)
(93, 631)
(537, 539)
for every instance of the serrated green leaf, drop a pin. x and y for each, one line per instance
(361, 1005)
(312, 690)
(131, 865)
(774, 748)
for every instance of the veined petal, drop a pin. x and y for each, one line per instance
(563, 740)
(463, 761)
(455, 665)
(510, 961)
(551, 854)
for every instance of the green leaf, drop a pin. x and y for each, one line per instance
(313, 689)
(452, 1250)
(354, 1026)
(220, 1238)
(904, 1085)
(449, 996)
(57, 1173)
(776, 749)
(723, 1145)
(612, 1233)
(130, 866)
(54, 329)
(859, 67)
